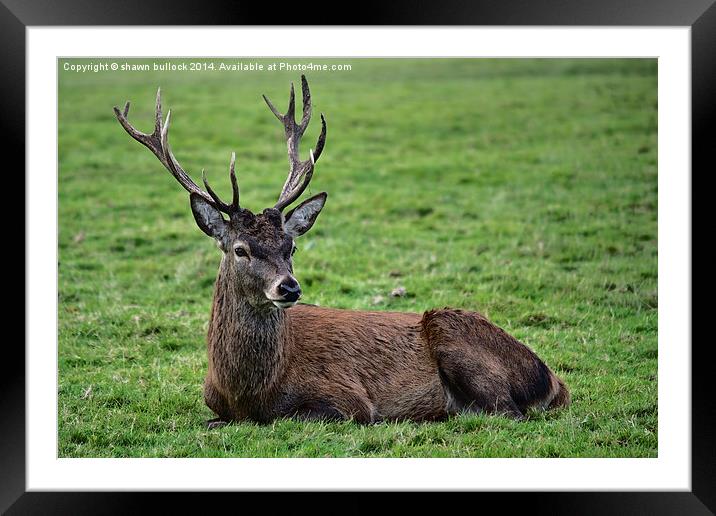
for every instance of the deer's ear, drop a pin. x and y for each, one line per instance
(301, 218)
(208, 218)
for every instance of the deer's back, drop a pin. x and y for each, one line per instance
(381, 356)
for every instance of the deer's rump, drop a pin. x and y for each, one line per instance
(385, 365)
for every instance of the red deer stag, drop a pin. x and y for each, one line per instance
(266, 361)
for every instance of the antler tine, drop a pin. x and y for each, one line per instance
(217, 201)
(306, 105)
(291, 113)
(151, 141)
(158, 143)
(273, 109)
(234, 183)
(157, 113)
(178, 172)
(321, 139)
(300, 172)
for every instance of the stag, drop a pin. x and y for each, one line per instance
(271, 357)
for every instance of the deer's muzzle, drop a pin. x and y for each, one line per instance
(286, 293)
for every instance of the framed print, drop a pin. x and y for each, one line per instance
(495, 297)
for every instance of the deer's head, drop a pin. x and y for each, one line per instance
(258, 246)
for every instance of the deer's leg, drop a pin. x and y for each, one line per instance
(473, 389)
(327, 406)
(482, 368)
(472, 382)
(319, 410)
(218, 404)
(327, 411)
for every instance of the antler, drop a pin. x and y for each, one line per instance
(300, 172)
(158, 143)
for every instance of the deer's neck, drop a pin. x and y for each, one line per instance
(246, 343)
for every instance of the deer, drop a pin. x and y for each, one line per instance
(271, 357)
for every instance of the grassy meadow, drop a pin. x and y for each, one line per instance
(523, 189)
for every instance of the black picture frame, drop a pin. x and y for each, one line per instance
(699, 15)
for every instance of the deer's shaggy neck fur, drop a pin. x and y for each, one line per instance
(246, 342)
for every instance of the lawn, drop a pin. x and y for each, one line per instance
(523, 189)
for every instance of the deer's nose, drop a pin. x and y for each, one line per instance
(289, 289)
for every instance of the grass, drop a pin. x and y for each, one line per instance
(524, 189)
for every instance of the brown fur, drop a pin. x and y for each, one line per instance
(317, 362)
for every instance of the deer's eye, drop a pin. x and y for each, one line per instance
(241, 252)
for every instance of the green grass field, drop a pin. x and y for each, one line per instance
(523, 189)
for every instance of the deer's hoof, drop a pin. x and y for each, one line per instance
(216, 423)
